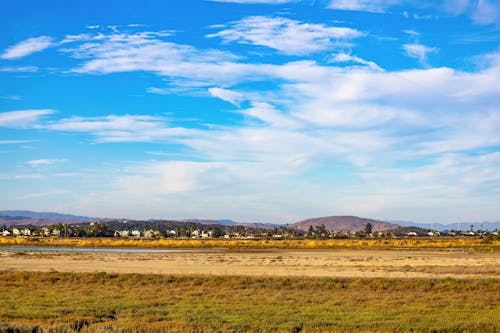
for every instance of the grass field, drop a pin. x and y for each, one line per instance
(431, 242)
(100, 302)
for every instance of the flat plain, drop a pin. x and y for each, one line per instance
(362, 263)
(231, 289)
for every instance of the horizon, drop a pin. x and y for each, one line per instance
(253, 110)
(392, 221)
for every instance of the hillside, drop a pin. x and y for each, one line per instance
(27, 217)
(344, 223)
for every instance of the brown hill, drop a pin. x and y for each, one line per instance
(344, 223)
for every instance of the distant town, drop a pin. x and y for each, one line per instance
(331, 227)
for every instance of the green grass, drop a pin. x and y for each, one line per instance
(100, 302)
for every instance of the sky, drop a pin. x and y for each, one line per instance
(251, 110)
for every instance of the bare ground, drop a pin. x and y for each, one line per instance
(456, 263)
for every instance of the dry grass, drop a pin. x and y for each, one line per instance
(100, 302)
(414, 243)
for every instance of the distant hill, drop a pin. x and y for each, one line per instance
(221, 222)
(344, 223)
(25, 217)
(233, 223)
(490, 226)
(45, 215)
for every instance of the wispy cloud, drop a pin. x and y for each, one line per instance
(27, 47)
(227, 95)
(419, 52)
(45, 162)
(486, 12)
(285, 35)
(19, 69)
(266, 2)
(377, 6)
(343, 57)
(125, 128)
(13, 142)
(22, 118)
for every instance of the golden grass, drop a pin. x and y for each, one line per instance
(414, 243)
(100, 302)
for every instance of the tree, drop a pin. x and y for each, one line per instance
(368, 228)
(321, 230)
(310, 232)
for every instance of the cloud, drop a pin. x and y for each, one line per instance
(267, 2)
(230, 96)
(455, 7)
(22, 118)
(376, 6)
(19, 69)
(27, 47)
(124, 128)
(343, 57)
(13, 142)
(285, 35)
(419, 52)
(148, 52)
(45, 162)
(486, 12)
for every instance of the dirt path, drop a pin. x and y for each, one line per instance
(460, 264)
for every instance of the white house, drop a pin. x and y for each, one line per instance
(5, 233)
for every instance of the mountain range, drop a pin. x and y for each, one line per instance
(332, 223)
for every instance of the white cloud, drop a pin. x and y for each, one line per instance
(230, 96)
(27, 47)
(486, 12)
(376, 6)
(419, 52)
(13, 142)
(124, 128)
(19, 69)
(285, 35)
(455, 7)
(343, 57)
(45, 162)
(148, 52)
(22, 118)
(267, 2)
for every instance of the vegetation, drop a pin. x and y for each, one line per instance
(70, 302)
(376, 243)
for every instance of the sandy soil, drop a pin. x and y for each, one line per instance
(460, 264)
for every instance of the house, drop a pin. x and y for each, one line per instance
(6, 233)
(151, 233)
(195, 234)
(135, 233)
(16, 232)
(26, 232)
(206, 234)
(121, 233)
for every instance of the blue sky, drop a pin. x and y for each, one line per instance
(254, 110)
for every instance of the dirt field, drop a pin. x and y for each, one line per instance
(459, 264)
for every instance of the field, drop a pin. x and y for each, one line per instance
(335, 286)
(101, 302)
(338, 263)
(372, 243)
